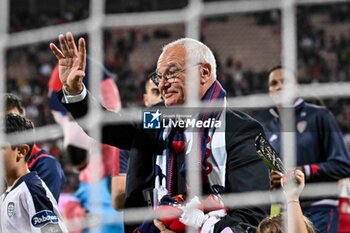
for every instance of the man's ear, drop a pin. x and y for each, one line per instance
(145, 99)
(205, 72)
(23, 150)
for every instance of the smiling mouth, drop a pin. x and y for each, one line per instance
(168, 95)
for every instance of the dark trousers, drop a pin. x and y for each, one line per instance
(324, 217)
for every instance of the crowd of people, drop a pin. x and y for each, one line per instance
(313, 43)
(26, 15)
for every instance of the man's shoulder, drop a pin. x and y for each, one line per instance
(313, 111)
(313, 108)
(45, 163)
(238, 119)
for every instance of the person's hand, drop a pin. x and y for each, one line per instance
(71, 63)
(162, 227)
(275, 179)
(294, 186)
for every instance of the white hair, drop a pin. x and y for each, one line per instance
(196, 52)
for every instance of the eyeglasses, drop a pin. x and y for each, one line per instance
(169, 76)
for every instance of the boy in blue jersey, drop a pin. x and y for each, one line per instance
(27, 205)
(47, 166)
(320, 151)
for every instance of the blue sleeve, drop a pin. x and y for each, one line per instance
(55, 104)
(51, 172)
(123, 161)
(336, 163)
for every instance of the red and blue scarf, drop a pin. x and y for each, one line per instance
(173, 143)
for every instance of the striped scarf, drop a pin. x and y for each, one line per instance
(174, 142)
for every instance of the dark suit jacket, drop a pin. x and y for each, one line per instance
(245, 171)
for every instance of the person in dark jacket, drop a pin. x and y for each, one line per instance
(320, 151)
(157, 164)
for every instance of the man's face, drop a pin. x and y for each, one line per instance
(152, 95)
(13, 110)
(172, 59)
(276, 84)
(276, 81)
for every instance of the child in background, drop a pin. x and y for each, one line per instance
(27, 205)
(294, 213)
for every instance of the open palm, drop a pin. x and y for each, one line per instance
(71, 63)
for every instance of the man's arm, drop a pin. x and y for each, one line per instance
(119, 135)
(336, 161)
(118, 191)
(119, 169)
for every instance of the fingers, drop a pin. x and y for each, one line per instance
(296, 176)
(82, 52)
(275, 179)
(276, 184)
(299, 176)
(56, 51)
(68, 49)
(275, 174)
(299, 173)
(161, 226)
(71, 44)
(64, 46)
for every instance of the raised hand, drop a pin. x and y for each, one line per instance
(293, 191)
(71, 63)
(275, 177)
